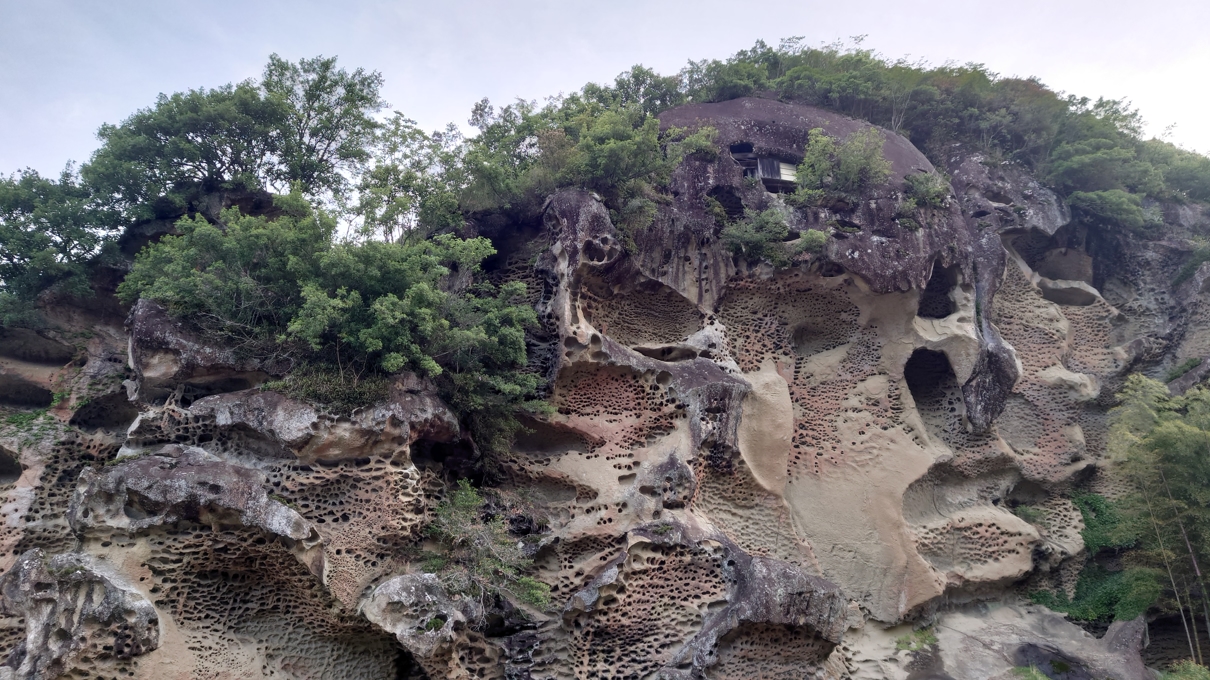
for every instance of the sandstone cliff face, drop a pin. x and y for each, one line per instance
(749, 472)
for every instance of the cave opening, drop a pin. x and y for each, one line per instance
(24, 344)
(10, 467)
(934, 387)
(936, 302)
(452, 460)
(777, 175)
(112, 412)
(186, 393)
(928, 373)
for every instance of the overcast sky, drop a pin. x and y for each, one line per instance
(67, 66)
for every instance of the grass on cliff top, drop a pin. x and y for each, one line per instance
(324, 386)
(1186, 670)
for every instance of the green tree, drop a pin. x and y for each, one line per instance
(161, 158)
(1162, 444)
(600, 139)
(50, 231)
(411, 187)
(846, 169)
(639, 88)
(328, 123)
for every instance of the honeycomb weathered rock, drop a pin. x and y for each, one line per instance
(747, 471)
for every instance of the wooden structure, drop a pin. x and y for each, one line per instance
(777, 175)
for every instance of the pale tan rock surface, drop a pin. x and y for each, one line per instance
(747, 471)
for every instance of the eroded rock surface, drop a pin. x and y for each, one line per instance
(747, 471)
(78, 614)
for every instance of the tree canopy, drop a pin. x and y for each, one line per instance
(50, 230)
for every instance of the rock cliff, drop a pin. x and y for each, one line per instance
(747, 471)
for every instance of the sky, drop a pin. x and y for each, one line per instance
(67, 66)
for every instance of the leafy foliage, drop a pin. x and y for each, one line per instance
(1112, 207)
(327, 123)
(758, 236)
(843, 170)
(603, 139)
(162, 157)
(1187, 670)
(372, 307)
(1183, 368)
(243, 275)
(812, 241)
(927, 188)
(1103, 525)
(1102, 595)
(916, 640)
(1161, 443)
(49, 231)
(479, 555)
(304, 123)
(1029, 673)
(1078, 144)
(411, 187)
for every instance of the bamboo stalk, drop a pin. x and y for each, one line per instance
(1168, 567)
(1197, 641)
(1192, 558)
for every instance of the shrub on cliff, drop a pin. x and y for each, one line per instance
(845, 170)
(597, 139)
(478, 554)
(1112, 208)
(812, 241)
(1186, 669)
(363, 308)
(758, 236)
(927, 188)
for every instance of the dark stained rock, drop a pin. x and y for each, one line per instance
(179, 483)
(412, 412)
(27, 345)
(76, 608)
(872, 244)
(169, 356)
(1002, 195)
